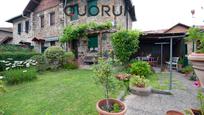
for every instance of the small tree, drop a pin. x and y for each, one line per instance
(125, 44)
(195, 34)
(103, 74)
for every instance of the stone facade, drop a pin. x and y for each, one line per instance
(51, 33)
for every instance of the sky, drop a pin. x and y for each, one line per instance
(151, 14)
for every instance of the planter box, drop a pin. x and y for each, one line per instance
(197, 59)
(141, 91)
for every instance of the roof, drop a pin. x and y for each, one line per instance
(4, 29)
(31, 6)
(179, 24)
(5, 40)
(14, 18)
(131, 9)
(170, 30)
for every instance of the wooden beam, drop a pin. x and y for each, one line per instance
(101, 44)
(35, 1)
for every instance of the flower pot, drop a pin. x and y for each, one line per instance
(173, 112)
(180, 66)
(194, 112)
(141, 91)
(197, 60)
(103, 102)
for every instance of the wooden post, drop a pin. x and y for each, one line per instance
(101, 44)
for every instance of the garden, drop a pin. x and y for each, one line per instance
(53, 83)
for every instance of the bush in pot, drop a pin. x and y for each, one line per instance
(139, 86)
(197, 59)
(187, 70)
(103, 75)
(140, 68)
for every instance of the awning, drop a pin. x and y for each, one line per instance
(37, 40)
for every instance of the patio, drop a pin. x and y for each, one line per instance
(184, 97)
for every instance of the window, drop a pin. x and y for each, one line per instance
(27, 24)
(92, 10)
(93, 42)
(42, 21)
(19, 28)
(52, 18)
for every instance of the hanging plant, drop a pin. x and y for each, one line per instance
(72, 32)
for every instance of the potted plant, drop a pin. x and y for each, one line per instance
(188, 71)
(180, 64)
(200, 111)
(126, 80)
(197, 59)
(107, 106)
(139, 86)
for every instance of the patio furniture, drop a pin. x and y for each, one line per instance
(151, 60)
(174, 63)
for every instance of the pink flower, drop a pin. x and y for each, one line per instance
(196, 84)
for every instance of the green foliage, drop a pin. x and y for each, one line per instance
(72, 65)
(20, 56)
(200, 97)
(69, 57)
(20, 75)
(116, 108)
(72, 32)
(195, 34)
(13, 48)
(125, 44)
(2, 89)
(187, 69)
(41, 63)
(139, 81)
(141, 68)
(54, 56)
(103, 73)
(181, 61)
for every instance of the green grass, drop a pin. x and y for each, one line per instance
(57, 93)
(161, 81)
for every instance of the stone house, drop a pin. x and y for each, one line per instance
(6, 36)
(43, 21)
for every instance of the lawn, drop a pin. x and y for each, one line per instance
(56, 93)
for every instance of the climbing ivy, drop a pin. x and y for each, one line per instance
(72, 32)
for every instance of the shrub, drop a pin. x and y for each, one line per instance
(12, 64)
(13, 48)
(69, 57)
(54, 56)
(187, 69)
(20, 75)
(72, 65)
(141, 68)
(20, 56)
(139, 81)
(41, 63)
(125, 44)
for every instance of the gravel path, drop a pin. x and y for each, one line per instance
(156, 104)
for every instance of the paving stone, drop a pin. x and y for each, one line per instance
(157, 104)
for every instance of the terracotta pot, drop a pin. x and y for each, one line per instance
(141, 91)
(194, 112)
(111, 101)
(197, 60)
(173, 112)
(180, 67)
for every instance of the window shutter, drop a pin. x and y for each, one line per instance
(93, 10)
(75, 16)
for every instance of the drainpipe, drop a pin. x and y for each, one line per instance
(65, 24)
(126, 14)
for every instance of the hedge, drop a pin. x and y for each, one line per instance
(19, 56)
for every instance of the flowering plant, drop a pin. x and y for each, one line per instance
(12, 64)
